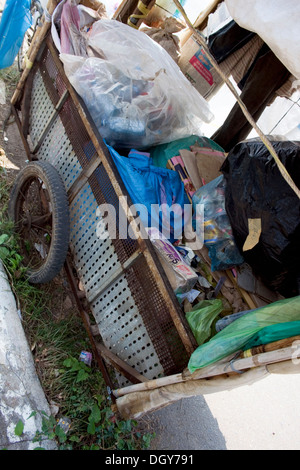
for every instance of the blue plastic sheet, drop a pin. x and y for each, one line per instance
(16, 19)
(155, 192)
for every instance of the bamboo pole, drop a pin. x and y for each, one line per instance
(33, 50)
(199, 21)
(220, 368)
(250, 119)
(282, 343)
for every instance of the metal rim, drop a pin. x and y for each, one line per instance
(33, 216)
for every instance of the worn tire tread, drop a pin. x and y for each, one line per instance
(60, 217)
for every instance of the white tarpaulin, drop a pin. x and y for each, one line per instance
(276, 22)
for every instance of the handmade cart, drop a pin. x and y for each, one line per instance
(136, 325)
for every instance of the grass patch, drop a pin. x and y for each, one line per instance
(78, 391)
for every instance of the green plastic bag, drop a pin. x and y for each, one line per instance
(201, 317)
(272, 333)
(236, 335)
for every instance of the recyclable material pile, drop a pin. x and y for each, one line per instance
(211, 216)
(135, 92)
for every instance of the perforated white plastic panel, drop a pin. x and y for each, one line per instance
(123, 330)
(96, 260)
(57, 150)
(115, 312)
(41, 108)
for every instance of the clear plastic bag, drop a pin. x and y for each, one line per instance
(136, 94)
(216, 223)
(218, 235)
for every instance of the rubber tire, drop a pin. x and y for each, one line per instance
(60, 218)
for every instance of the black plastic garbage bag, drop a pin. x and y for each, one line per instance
(256, 189)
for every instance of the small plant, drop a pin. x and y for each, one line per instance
(9, 247)
(90, 423)
(91, 413)
(9, 253)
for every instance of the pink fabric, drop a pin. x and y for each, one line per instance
(70, 21)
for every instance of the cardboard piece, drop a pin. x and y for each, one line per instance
(208, 162)
(176, 163)
(198, 69)
(190, 163)
(254, 226)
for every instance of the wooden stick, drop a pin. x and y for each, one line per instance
(199, 21)
(246, 296)
(129, 372)
(219, 368)
(124, 10)
(33, 50)
(282, 343)
(150, 385)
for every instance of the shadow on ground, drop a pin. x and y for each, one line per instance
(186, 425)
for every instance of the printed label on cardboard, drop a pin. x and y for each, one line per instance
(202, 64)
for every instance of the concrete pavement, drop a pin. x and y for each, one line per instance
(262, 416)
(21, 393)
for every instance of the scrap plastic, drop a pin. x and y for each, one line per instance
(201, 318)
(218, 235)
(235, 336)
(225, 321)
(272, 333)
(16, 19)
(136, 94)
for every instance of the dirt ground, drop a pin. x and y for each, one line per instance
(12, 154)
